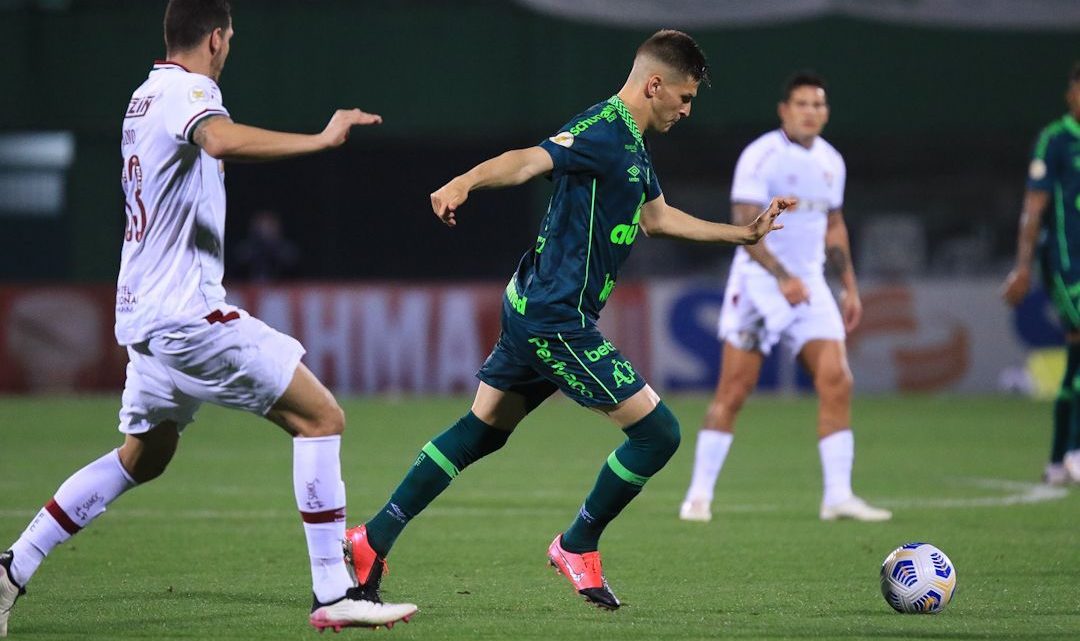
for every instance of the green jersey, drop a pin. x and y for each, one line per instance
(603, 175)
(1055, 169)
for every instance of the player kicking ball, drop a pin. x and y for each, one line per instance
(185, 344)
(776, 292)
(605, 189)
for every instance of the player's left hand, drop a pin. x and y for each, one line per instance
(851, 308)
(1016, 286)
(766, 220)
(337, 130)
(447, 199)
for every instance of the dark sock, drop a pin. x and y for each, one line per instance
(442, 459)
(1066, 415)
(1067, 432)
(650, 443)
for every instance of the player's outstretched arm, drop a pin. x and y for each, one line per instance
(511, 168)
(661, 220)
(1018, 282)
(222, 138)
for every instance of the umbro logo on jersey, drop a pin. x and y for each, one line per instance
(635, 173)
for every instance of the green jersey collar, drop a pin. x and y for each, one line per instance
(1071, 125)
(628, 119)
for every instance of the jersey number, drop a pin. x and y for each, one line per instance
(136, 222)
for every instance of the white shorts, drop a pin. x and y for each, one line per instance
(756, 316)
(238, 361)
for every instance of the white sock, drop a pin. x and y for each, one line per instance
(837, 455)
(712, 449)
(320, 496)
(81, 499)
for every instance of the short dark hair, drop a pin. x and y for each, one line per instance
(187, 22)
(678, 51)
(1074, 75)
(802, 79)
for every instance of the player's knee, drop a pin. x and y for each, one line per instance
(834, 383)
(334, 421)
(664, 435)
(146, 456)
(330, 421)
(671, 439)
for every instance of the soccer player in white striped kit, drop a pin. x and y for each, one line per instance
(185, 344)
(776, 292)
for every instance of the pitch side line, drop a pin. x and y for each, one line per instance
(1017, 493)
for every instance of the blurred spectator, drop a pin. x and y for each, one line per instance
(265, 255)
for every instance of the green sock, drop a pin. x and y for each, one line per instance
(650, 443)
(438, 463)
(1070, 433)
(1066, 408)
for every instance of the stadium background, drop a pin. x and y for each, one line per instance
(935, 106)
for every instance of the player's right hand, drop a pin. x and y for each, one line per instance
(337, 130)
(794, 290)
(766, 220)
(1016, 286)
(447, 199)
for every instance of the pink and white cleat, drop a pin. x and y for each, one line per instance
(585, 573)
(351, 611)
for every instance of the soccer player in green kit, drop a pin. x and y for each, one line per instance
(605, 189)
(1054, 176)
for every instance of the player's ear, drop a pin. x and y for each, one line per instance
(652, 87)
(217, 37)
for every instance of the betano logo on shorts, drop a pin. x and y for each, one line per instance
(559, 367)
(596, 354)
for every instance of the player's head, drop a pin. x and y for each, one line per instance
(1072, 92)
(199, 26)
(804, 106)
(668, 69)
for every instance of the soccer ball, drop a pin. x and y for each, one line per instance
(918, 578)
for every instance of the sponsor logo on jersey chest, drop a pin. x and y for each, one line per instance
(138, 106)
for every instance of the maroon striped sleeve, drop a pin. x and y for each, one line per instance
(61, 517)
(329, 516)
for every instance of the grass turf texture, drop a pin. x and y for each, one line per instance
(214, 549)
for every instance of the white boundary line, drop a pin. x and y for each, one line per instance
(1015, 493)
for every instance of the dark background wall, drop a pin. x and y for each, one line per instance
(935, 125)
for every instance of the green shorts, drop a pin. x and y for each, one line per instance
(581, 362)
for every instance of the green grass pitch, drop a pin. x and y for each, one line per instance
(214, 549)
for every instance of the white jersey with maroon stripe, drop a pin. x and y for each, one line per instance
(173, 257)
(773, 166)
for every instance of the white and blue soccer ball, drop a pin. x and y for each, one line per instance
(918, 578)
